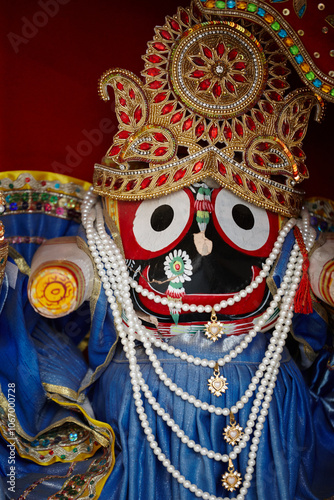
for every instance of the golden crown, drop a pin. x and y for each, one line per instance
(214, 103)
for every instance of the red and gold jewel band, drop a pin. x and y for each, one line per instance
(3, 243)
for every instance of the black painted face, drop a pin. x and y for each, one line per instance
(199, 245)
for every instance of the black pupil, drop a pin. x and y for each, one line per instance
(162, 217)
(243, 217)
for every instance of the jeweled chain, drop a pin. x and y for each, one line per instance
(114, 275)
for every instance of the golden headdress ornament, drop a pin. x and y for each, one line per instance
(219, 100)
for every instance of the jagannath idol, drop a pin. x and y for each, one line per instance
(200, 263)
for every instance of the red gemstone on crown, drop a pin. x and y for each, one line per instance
(160, 97)
(198, 61)
(138, 114)
(177, 117)
(258, 159)
(263, 146)
(239, 129)
(120, 86)
(165, 34)
(274, 158)
(279, 84)
(199, 129)
(197, 74)
(145, 182)
(160, 151)
(296, 151)
(217, 90)
(132, 95)
(187, 124)
(198, 166)
(280, 198)
(159, 46)
(145, 146)
(114, 150)
(117, 184)
(108, 182)
(213, 132)
(220, 49)
(238, 78)
(227, 132)
(179, 174)
(279, 71)
(130, 185)
(155, 85)
(298, 134)
(184, 17)
(239, 65)
(123, 134)
(158, 136)
(266, 192)
(204, 85)
(237, 179)
(153, 71)
(277, 58)
(250, 123)
(285, 128)
(230, 87)
(154, 58)
(275, 96)
(259, 116)
(174, 25)
(167, 108)
(232, 54)
(267, 107)
(162, 179)
(302, 169)
(124, 117)
(251, 186)
(122, 102)
(207, 52)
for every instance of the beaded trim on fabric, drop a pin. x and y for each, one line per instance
(26, 194)
(68, 442)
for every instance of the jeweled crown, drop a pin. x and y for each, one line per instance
(216, 101)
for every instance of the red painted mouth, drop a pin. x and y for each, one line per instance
(246, 305)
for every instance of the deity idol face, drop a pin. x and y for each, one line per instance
(199, 245)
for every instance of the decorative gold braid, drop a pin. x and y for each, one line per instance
(213, 103)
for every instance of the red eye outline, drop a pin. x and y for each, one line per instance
(127, 211)
(262, 251)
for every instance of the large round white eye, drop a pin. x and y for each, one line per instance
(160, 222)
(245, 225)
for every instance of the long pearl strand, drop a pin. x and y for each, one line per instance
(118, 277)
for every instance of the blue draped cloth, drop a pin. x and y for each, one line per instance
(295, 456)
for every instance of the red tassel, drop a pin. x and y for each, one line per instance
(303, 299)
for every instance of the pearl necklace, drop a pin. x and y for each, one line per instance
(118, 277)
(177, 304)
(214, 329)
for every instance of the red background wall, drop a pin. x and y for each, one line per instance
(51, 63)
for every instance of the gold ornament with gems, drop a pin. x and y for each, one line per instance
(214, 329)
(233, 432)
(231, 480)
(217, 384)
